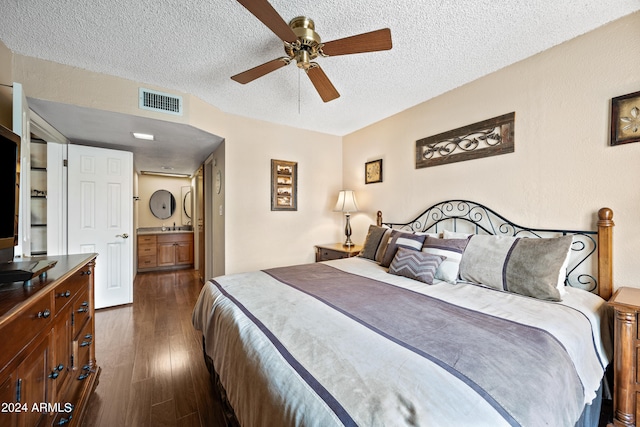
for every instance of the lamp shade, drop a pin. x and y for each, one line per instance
(346, 202)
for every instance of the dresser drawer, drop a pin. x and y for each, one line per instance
(328, 254)
(20, 330)
(336, 251)
(147, 240)
(81, 312)
(146, 250)
(67, 291)
(148, 261)
(82, 346)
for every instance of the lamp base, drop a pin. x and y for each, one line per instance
(347, 231)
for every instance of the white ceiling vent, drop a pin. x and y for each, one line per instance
(159, 101)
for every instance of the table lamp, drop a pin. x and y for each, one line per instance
(347, 204)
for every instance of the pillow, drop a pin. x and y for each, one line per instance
(422, 233)
(526, 266)
(375, 243)
(446, 234)
(401, 239)
(452, 250)
(562, 276)
(415, 265)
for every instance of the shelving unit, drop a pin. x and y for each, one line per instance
(38, 196)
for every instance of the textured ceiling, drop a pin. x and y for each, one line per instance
(194, 46)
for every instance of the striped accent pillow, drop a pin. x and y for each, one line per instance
(375, 243)
(452, 250)
(399, 239)
(415, 265)
(526, 266)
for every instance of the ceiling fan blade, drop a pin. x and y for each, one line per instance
(259, 71)
(361, 43)
(262, 10)
(322, 84)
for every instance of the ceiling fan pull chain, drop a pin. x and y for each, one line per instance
(299, 71)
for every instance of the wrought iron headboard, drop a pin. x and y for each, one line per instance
(590, 265)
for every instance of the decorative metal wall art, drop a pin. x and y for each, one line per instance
(625, 119)
(284, 185)
(483, 139)
(373, 172)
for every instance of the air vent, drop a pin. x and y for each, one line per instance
(161, 102)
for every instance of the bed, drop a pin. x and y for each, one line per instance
(457, 317)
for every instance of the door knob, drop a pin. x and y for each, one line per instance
(123, 235)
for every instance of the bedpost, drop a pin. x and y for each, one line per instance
(379, 219)
(605, 253)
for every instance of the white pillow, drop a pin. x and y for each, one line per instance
(452, 249)
(563, 273)
(455, 235)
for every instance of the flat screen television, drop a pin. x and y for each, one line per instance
(9, 193)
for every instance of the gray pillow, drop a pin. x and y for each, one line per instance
(526, 266)
(400, 239)
(375, 243)
(415, 265)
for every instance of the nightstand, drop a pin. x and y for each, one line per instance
(626, 302)
(336, 251)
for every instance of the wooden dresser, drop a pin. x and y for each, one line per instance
(165, 251)
(48, 367)
(626, 394)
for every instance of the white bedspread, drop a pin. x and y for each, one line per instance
(376, 382)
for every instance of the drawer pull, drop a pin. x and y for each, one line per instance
(84, 376)
(44, 314)
(55, 373)
(66, 294)
(85, 343)
(88, 336)
(84, 307)
(85, 273)
(64, 421)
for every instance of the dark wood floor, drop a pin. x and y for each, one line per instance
(153, 371)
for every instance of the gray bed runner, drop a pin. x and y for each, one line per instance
(522, 371)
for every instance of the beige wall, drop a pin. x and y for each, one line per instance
(562, 170)
(147, 185)
(6, 78)
(217, 214)
(255, 237)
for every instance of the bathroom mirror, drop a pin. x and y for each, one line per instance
(162, 204)
(186, 205)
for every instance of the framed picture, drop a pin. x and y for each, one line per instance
(625, 119)
(482, 139)
(284, 185)
(373, 172)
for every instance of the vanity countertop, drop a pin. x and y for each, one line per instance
(158, 230)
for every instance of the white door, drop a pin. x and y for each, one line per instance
(100, 216)
(22, 126)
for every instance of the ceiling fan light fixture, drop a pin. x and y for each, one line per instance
(303, 59)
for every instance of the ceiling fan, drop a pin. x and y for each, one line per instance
(302, 44)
